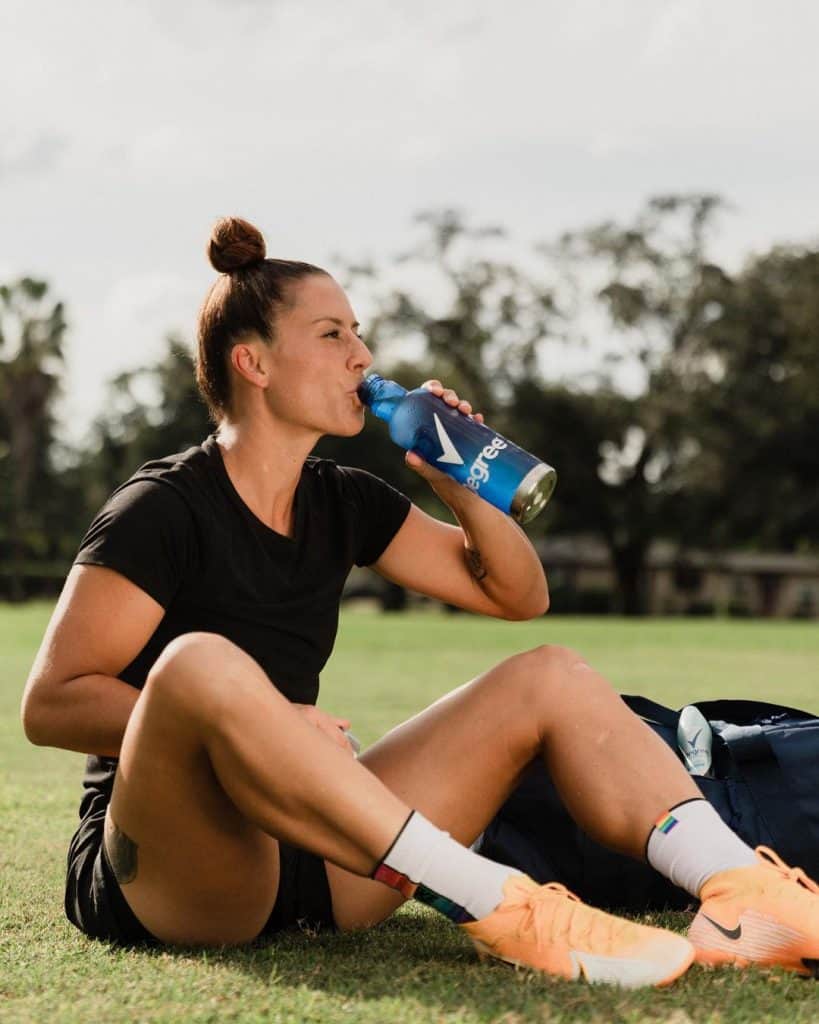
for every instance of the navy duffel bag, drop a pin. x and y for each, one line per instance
(765, 786)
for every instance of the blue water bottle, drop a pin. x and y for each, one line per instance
(472, 453)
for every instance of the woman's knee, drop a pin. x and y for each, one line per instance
(550, 660)
(188, 654)
(550, 670)
(197, 666)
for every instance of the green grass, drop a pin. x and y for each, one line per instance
(414, 968)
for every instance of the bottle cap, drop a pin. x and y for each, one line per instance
(366, 389)
(533, 493)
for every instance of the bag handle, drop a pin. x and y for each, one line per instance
(746, 742)
(650, 709)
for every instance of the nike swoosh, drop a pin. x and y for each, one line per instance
(729, 933)
(450, 453)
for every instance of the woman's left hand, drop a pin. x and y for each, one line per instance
(451, 398)
(332, 726)
(415, 462)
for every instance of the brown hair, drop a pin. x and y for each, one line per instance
(243, 301)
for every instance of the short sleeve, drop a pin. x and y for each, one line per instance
(379, 509)
(145, 532)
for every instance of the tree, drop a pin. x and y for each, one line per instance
(151, 411)
(585, 435)
(758, 407)
(32, 326)
(654, 282)
(490, 318)
(621, 459)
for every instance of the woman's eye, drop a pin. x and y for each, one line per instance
(335, 333)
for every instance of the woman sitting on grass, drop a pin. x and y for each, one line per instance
(221, 805)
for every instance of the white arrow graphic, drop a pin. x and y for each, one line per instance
(450, 453)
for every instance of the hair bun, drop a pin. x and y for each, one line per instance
(234, 243)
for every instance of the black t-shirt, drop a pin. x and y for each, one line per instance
(179, 530)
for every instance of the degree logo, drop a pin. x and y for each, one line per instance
(450, 452)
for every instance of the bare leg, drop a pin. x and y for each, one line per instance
(457, 761)
(214, 763)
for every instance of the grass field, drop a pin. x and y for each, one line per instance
(414, 968)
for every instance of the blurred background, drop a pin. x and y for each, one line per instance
(597, 221)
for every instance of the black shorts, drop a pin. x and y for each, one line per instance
(94, 902)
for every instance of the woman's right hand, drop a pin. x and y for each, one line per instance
(330, 725)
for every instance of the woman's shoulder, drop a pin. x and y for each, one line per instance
(183, 473)
(191, 461)
(163, 496)
(150, 528)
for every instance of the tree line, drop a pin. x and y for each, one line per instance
(697, 422)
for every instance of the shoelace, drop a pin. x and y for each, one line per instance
(549, 921)
(773, 860)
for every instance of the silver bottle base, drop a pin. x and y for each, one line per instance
(533, 493)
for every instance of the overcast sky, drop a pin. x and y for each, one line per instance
(126, 128)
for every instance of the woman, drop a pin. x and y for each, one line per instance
(183, 656)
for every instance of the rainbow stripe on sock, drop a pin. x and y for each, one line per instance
(395, 880)
(448, 908)
(665, 823)
(411, 890)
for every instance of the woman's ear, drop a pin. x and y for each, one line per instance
(247, 360)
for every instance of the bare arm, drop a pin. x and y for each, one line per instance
(72, 698)
(487, 565)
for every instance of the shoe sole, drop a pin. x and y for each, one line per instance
(485, 953)
(762, 934)
(717, 958)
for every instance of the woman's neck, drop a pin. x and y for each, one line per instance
(264, 465)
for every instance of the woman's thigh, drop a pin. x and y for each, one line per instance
(455, 762)
(192, 868)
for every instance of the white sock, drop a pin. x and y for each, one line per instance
(691, 843)
(448, 876)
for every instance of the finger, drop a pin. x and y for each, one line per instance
(433, 385)
(450, 397)
(464, 407)
(420, 466)
(478, 417)
(342, 723)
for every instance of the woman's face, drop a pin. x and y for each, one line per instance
(317, 360)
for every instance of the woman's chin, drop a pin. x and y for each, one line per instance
(353, 426)
(343, 429)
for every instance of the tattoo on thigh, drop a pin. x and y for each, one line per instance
(475, 563)
(122, 853)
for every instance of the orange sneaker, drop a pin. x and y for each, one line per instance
(766, 914)
(548, 928)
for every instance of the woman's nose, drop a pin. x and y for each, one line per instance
(361, 356)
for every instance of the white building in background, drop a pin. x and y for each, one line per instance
(742, 583)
